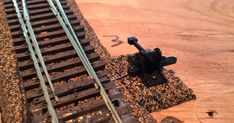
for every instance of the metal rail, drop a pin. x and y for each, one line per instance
(77, 46)
(80, 52)
(51, 110)
(36, 46)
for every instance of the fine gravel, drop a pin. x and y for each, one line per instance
(10, 90)
(145, 100)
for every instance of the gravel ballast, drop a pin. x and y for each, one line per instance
(145, 100)
(10, 90)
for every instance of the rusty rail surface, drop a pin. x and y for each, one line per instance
(45, 54)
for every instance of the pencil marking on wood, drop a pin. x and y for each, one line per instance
(115, 40)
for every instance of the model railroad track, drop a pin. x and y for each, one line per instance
(63, 78)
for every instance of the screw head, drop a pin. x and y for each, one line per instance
(154, 77)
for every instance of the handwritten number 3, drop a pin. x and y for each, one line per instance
(116, 40)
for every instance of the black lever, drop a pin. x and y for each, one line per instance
(133, 41)
(148, 64)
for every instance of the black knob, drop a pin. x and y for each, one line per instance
(132, 40)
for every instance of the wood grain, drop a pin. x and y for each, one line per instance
(0, 117)
(199, 32)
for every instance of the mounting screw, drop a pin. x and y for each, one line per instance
(154, 77)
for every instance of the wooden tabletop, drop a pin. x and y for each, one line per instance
(200, 33)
